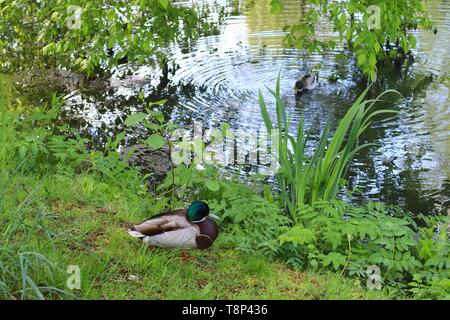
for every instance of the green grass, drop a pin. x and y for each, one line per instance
(53, 216)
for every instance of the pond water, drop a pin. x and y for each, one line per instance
(216, 80)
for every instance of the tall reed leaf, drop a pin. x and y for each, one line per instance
(303, 179)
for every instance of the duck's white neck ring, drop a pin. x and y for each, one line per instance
(199, 220)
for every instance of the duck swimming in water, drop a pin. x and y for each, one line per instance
(189, 228)
(306, 83)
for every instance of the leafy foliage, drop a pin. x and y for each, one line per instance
(33, 139)
(433, 250)
(106, 34)
(154, 122)
(351, 239)
(36, 142)
(331, 235)
(374, 30)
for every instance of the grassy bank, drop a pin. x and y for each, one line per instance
(62, 206)
(57, 217)
(65, 208)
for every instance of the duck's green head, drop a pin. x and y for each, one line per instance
(197, 211)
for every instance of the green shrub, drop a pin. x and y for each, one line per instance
(373, 36)
(433, 280)
(350, 239)
(109, 33)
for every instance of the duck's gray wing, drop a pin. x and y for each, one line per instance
(161, 223)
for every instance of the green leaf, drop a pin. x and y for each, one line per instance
(362, 58)
(377, 47)
(213, 185)
(135, 118)
(164, 3)
(334, 258)
(333, 237)
(373, 76)
(155, 141)
(412, 40)
(276, 7)
(160, 102)
(298, 235)
(372, 60)
(265, 113)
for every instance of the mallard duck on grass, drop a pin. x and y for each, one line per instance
(306, 83)
(189, 228)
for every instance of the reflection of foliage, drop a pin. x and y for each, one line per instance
(261, 16)
(109, 33)
(208, 26)
(356, 22)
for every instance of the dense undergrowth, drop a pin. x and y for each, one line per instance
(63, 205)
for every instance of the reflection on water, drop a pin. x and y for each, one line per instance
(217, 80)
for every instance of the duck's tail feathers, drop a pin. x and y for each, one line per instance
(134, 233)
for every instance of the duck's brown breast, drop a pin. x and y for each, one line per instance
(208, 233)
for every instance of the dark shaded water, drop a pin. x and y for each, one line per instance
(216, 80)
